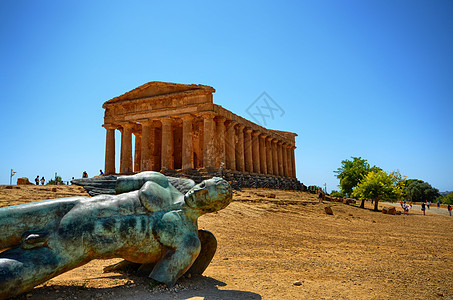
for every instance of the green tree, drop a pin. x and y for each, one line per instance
(446, 199)
(380, 185)
(418, 191)
(57, 180)
(352, 172)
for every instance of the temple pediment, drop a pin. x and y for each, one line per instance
(157, 89)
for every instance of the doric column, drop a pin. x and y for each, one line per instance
(167, 144)
(187, 143)
(110, 149)
(220, 137)
(208, 140)
(293, 160)
(248, 149)
(146, 161)
(269, 156)
(284, 160)
(274, 156)
(138, 152)
(280, 158)
(263, 163)
(230, 145)
(256, 152)
(126, 148)
(239, 151)
(288, 160)
(155, 147)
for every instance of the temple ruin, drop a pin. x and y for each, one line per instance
(179, 131)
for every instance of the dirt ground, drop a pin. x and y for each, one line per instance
(285, 247)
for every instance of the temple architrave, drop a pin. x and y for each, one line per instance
(180, 131)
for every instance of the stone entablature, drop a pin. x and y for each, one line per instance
(177, 126)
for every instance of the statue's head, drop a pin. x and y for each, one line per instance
(210, 195)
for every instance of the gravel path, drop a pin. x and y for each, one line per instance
(433, 208)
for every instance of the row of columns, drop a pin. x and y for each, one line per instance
(224, 141)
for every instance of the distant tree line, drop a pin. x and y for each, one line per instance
(360, 180)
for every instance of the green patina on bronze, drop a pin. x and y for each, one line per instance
(150, 224)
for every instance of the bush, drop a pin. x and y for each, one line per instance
(56, 181)
(336, 194)
(447, 199)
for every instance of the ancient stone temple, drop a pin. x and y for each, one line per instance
(180, 131)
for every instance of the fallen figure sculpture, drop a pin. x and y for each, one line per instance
(150, 225)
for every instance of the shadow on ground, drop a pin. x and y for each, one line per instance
(198, 287)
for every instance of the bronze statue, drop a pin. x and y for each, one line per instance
(151, 224)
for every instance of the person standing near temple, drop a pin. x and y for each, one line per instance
(42, 180)
(84, 174)
(37, 180)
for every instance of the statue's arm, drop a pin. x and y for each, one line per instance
(130, 183)
(176, 262)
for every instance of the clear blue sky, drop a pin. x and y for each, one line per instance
(355, 78)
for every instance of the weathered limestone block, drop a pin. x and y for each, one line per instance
(23, 181)
(328, 210)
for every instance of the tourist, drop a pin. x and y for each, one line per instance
(438, 203)
(423, 208)
(320, 192)
(101, 173)
(84, 174)
(428, 203)
(449, 209)
(406, 208)
(42, 180)
(37, 180)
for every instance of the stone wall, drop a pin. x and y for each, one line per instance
(239, 179)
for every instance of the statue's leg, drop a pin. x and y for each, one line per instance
(35, 216)
(208, 249)
(22, 269)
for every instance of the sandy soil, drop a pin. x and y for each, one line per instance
(285, 247)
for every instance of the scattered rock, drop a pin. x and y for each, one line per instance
(349, 201)
(328, 210)
(23, 181)
(385, 210)
(297, 283)
(9, 187)
(391, 211)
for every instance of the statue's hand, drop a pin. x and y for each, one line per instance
(34, 240)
